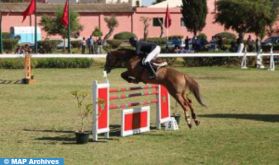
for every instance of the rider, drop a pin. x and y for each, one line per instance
(149, 51)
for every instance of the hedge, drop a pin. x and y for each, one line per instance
(48, 63)
(10, 45)
(158, 41)
(211, 61)
(47, 46)
(123, 36)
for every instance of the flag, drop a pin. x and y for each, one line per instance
(31, 9)
(167, 18)
(65, 17)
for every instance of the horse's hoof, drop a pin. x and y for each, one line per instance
(197, 122)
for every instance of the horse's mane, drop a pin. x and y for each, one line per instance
(124, 54)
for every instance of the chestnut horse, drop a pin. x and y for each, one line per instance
(176, 82)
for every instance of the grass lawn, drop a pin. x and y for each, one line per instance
(240, 125)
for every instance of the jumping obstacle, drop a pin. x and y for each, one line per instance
(103, 94)
(135, 121)
(28, 77)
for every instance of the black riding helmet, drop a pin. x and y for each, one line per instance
(133, 41)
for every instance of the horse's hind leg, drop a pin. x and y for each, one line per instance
(188, 102)
(180, 100)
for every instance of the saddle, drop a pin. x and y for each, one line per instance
(157, 63)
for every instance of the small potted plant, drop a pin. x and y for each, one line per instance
(176, 114)
(84, 110)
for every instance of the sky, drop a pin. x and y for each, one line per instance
(147, 2)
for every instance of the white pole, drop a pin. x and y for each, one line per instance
(272, 64)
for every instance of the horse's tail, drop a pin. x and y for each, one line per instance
(194, 88)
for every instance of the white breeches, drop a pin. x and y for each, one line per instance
(152, 54)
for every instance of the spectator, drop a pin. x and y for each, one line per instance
(240, 44)
(220, 43)
(99, 45)
(90, 44)
(83, 45)
(27, 49)
(233, 47)
(187, 40)
(177, 49)
(19, 50)
(249, 44)
(194, 43)
(258, 45)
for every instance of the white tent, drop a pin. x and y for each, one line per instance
(171, 3)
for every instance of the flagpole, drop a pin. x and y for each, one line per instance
(69, 29)
(36, 45)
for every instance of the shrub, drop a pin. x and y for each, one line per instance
(123, 36)
(6, 35)
(158, 41)
(97, 32)
(10, 44)
(76, 43)
(47, 46)
(11, 63)
(211, 61)
(114, 43)
(64, 63)
(227, 37)
(175, 36)
(47, 63)
(202, 37)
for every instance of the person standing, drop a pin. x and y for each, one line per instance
(240, 44)
(258, 45)
(99, 45)
(83, 45)
(90, 44)
(187, 43)
(249, 44)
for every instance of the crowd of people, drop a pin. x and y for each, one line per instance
(23, 49)
(93, 46)
(216, 44)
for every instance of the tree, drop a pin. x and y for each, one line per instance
(194, 14)
(146, 24)
(157, 1)
(53, 25)
(246, 15)
(97, 32)
(112, 23)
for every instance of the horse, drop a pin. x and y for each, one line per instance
(177, 83)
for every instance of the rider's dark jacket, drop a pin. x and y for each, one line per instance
(144, 48)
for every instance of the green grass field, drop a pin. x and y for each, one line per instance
(240, 125)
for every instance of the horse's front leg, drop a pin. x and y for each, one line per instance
(130, 79)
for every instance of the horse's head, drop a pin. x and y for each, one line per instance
(116, 58)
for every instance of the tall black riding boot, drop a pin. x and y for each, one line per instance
(152, 73)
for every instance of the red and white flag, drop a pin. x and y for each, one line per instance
(167, 18)
(65, 17)
(31, 9)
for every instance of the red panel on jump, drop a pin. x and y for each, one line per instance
(103, 109)
(135, 120)
(164, 103)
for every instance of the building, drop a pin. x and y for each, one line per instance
(132, 2)
(92, 15)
